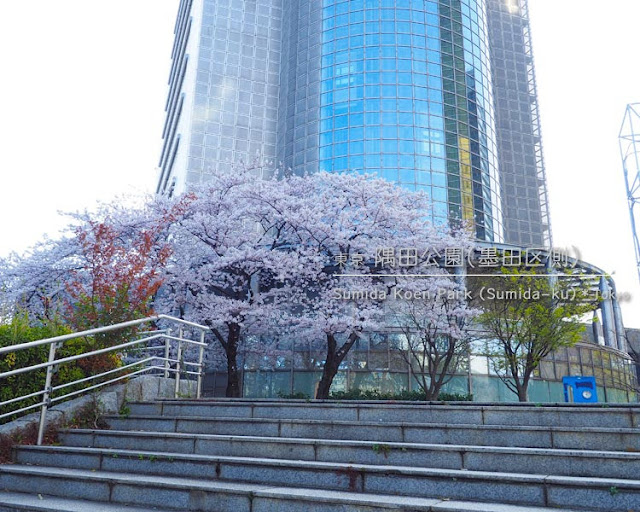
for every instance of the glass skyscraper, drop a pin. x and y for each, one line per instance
(435, 95)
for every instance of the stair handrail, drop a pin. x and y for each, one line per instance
(151, 362)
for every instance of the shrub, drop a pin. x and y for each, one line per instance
(20, 331)
(358, 394)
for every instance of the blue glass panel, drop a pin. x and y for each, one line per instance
(372, 105)
(356, 133)
(340, 149)
(423, 175)
(388, 27)
(388, 64)
(356, 41)
(389, 91)
(356, 16)
(436, 122)
(356, 162)
(405, 91)
(372, 160)
(388, 39)
(372, 91)
(372, 132)
(372, 27)
(418, 41)
(389, 132)
(342, 19)
(423, 162)
(356, 119)
(390, 174)
(357, 29)
(439, 179)
(341, 121)
(388, 52)
(340, 135)
(356, 147)
(390, 104)
(356, 93)
(374, 147)
(390, 160)
(326, 152)
(389, 118)
(342, 44)
(372, 78)
(405, 146)
(341, 95)
(389, 146)
(405, 105)
(341, 163)
(404, 78)
(438, 194)
(407, 175)
(405, 118)
(437, 164)
(404, 40)
(387, 14)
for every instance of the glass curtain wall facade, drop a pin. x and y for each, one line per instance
(521, 164)
(222, 106)
(436, 95)
(398, 88)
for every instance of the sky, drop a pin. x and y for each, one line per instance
(82, 105)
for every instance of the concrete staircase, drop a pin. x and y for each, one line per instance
(298, 456)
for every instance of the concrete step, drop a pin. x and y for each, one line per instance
(596, 415)
(463, 457)
(581, 438)
(180, 493)
(513, 487)
(20, 502)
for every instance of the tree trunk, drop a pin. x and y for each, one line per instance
(328, 373)
(330, 369)
(523, 394)
(332, 363)
(233, 375)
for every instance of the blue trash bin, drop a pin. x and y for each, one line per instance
(580, 389)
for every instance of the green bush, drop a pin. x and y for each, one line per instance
(358, 394)
(299, 395)
(18, 331)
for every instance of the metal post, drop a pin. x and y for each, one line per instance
(178, 358)
(608, 329)
(594, 327)
(167, 347)
(617, 319)
(46, 398)
(200, 367)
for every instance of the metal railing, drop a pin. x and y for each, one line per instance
(163, 363)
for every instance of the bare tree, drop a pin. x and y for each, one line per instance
(433, 317)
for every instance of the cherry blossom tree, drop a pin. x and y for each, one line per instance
(250, 257)
(362, 230)
(233, 265)
(106, 269)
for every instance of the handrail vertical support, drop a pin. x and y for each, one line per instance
(178, 366)
(201, 366)
(167, 346)
(47, 394)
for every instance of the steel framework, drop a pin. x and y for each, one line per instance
(629, 139)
